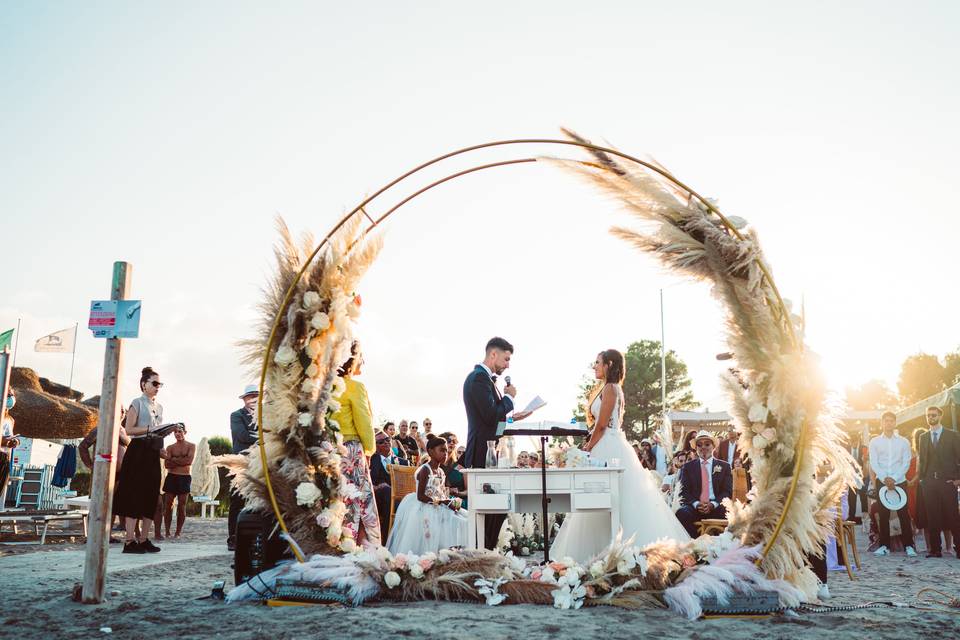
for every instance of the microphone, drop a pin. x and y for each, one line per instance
(506, 380)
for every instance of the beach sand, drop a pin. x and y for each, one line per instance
(158, 595)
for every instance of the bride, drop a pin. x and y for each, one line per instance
(643, 513)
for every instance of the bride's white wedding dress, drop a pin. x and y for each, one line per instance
(643, 513)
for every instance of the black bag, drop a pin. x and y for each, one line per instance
(259, 546)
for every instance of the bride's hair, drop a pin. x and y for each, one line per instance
(617, 370)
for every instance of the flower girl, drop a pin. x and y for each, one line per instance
(429, 520)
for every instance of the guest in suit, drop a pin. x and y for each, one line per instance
(939, 478)
(728, 451)
(355, 418)
(243, 430)
(705, 483)
(486, 407)
(380, 477)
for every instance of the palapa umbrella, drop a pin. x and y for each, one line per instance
(204, 478)
(41, 414)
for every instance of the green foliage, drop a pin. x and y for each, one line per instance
(641, 387)
(921, 376)
(220, 445)
(951, 368)
(874, 394)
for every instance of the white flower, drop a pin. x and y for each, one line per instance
(524, 551)
(391, 579)
(641, 560)
(626, 564)
(312, 370)
(311, 299)
(320, 321)
(313, 347)
(758, 413)
(307, 494)
(569, 596)
(488, 589)
(285, 355)
(333, 405)
(305, 419)
(737, 222)
(769, 434)
(759, 442)
(596, 569)
(348, 545)
(444, 556)
(339, 386)
(547, 575)
(308, 386)
(416, 571)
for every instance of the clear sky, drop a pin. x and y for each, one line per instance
(170, 135)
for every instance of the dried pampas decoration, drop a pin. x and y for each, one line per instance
(777, 394)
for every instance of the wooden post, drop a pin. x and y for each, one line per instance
(104, 459)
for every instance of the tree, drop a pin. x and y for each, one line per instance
(641, 387)
(921, 376)
(874, 394)
(951, 368)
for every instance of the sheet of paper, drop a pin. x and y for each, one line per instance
(534, 404)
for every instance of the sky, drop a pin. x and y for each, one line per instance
(171, 135)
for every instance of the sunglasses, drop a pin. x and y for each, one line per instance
(156, 384)
(382, 441)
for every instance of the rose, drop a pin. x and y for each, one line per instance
(305, 419)
(308, 386)
(320, 321)
(311, 299)
(524, 551)
(425, 563)
(307, 494)
(689, 561)
(324, 519)
(758, 413)
(769, 434)
(416, 571)
(391, 579)
(759, 442)
(284, 355)
(596, 569)
(348, 545)
(312, 370)
(399, 561)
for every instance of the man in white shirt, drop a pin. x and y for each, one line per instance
(889, 460)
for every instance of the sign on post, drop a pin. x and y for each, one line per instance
(114, 318)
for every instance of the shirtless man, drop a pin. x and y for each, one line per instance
(177, 485)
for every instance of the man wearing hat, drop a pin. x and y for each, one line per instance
(243, 429)
(889, 460)
(705, 483)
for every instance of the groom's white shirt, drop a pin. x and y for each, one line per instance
(713, 496)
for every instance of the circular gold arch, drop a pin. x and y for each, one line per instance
(781, 309)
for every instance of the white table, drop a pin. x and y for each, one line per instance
(569, 490)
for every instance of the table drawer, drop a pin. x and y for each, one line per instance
(531, 482)
(593, 482)
(490, 502)
(581, 501)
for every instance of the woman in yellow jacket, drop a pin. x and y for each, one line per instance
(356, 426)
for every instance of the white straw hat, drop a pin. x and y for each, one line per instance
(250, 390)
(893, 499)
(705, 435)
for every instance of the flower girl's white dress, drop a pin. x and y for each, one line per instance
(419, 527)
(643, 513)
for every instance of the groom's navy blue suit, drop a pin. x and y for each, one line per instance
(690, 479)
(485, 409)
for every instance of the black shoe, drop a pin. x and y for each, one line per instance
(231, 544)
(934, 554)
(133, 547)
(149, 547)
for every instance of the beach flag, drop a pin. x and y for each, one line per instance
(59, 342)
(6, 339)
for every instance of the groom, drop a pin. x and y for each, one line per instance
(705, 483)
(486, 407)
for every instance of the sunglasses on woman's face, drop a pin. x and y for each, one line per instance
(156, 384)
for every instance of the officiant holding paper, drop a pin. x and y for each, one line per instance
(486, 407)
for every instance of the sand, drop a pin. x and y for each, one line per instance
(159, 595)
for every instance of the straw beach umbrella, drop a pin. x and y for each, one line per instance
(204, 478)
(42, 414)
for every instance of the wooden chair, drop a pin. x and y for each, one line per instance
(846, 530)
(402, 481)
(711, 526)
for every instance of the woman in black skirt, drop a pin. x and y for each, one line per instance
(138, 484)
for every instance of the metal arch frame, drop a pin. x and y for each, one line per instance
(781, 307)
